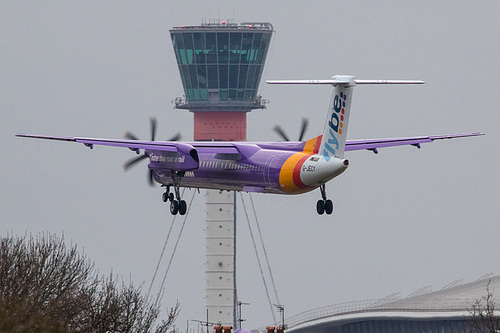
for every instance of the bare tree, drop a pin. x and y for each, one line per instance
(123, 309)
(483, 316)
(47, 287)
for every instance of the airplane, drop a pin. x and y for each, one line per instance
(289, 167)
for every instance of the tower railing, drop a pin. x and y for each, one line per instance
(218, 23)
(230, 105)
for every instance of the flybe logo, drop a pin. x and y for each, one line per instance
(335, 125)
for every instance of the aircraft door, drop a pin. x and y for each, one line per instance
(267, 170)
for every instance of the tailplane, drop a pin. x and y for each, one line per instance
(335, 131)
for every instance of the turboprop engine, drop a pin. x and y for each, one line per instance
(183, 157)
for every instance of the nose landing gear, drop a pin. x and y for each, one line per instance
(324, 205)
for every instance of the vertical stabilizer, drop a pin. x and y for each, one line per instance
(335, 131)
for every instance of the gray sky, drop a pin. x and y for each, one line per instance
(404, 218)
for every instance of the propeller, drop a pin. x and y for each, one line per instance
(303, 127)
(133, 161)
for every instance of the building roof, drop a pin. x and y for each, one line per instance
(454, 298)
(448, 303)
(219, 25)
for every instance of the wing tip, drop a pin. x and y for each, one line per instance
(46, 137)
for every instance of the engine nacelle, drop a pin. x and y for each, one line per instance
(183, 158)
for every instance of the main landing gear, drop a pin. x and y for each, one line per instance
(176, 204)
(324, 205)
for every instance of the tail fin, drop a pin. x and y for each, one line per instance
(335, 131)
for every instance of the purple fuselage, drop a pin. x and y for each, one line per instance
(250, 167)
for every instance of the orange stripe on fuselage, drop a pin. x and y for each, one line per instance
(296, 172)
(290, 171)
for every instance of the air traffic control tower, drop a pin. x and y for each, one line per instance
(221, 65)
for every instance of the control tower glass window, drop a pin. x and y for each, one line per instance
(228, 63)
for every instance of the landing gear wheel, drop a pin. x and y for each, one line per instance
(328, 206)
(176, 204)
(320, 207)
(325, 205)
(182, 207)
(164, 197)
(174, 207)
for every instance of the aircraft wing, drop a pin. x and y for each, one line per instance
(374, 144)
(171, 146)
(229, 148)
(222, 150)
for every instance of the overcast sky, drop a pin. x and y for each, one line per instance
(404, 219)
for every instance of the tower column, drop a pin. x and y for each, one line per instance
(220, 256)
(221, 65)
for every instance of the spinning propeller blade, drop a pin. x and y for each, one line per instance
(152, 122)
(282, 134)
(175, 137)
(133, 161)
(303, 128)
(130, 136)
(151, 179)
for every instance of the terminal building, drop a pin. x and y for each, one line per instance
(445, 311)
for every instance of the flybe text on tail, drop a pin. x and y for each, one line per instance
(335, 126)
(334, 133)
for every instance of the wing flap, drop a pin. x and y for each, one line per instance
(131, 144)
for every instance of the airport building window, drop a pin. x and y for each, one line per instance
(227, 61)
(408, 326)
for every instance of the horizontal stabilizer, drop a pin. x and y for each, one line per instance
(340, 81)
(389, 81)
